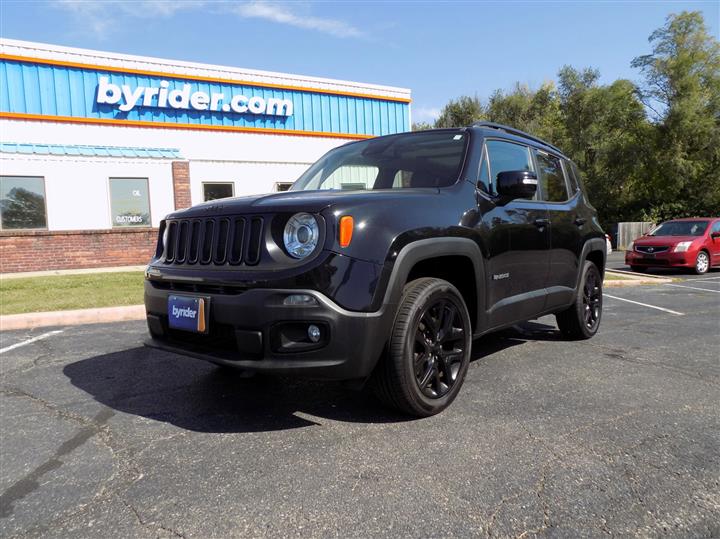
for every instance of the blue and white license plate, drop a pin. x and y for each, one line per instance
(188, 314)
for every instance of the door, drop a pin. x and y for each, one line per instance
(516, 236)
(714, 244)
(568, 220)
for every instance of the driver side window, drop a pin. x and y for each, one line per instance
(506, 156)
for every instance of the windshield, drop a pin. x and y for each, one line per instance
(681, 228)
(424, 159)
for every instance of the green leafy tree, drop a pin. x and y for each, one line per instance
(682, 91)
(606, 130)
(461, 112)
(421, 126)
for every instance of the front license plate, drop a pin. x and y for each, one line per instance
(188, 314)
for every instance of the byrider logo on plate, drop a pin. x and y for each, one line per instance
(186, 312)
(127, 98)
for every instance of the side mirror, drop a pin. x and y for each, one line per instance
(513, 184)
(715, 235)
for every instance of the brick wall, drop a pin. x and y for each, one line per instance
(49, 250)
(181, 184)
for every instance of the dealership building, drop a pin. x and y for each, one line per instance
(96, 148)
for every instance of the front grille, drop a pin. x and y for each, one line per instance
(652, 249)
(214, 240)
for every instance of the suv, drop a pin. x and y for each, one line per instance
(383, 263)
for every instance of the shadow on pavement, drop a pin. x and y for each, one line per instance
(199, 396)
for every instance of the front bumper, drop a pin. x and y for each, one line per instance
(665, 259)
(243, 329)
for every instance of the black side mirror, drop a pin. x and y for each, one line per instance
(513, 184)
(715, 235)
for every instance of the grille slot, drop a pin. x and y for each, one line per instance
(236, 245)
(217, 241)
(652, 249)
(252, 256)
(170, 250)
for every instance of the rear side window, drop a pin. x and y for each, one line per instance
(570, 173)
(505, 156)
(552, 179)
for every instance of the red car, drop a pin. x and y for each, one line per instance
(682, 243)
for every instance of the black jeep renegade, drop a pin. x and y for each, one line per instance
(383, 263)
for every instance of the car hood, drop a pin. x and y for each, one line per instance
(664, 240)
(308, 201)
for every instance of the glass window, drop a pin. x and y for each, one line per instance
(129, 202)
(570, 173)
(552, 179)
(681, 228)
(22, 202)
(433, 159)
(403, 178)
(351, 177)
(215, 190)
(282, 186)
(505, 156)
(716, 227)
(484, 177)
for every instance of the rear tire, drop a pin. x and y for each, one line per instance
(429, 351)
(635, 268)
(582, 319)
(702, 263)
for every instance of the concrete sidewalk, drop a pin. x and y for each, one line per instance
(77, 317)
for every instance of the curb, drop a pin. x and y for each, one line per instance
(632, 279)
(72, 318)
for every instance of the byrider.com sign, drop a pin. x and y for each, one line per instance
(127, 98)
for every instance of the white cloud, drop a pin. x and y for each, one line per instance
(102, 17)
(281, 14)
(425, 114)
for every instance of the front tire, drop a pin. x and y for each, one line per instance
(582, 319)
(429, 351)
(702, 263)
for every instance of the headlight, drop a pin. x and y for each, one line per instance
(682, 246)
(301, 235)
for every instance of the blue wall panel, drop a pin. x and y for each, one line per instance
(48, 90)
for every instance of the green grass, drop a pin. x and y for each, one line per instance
(616, 277)
(62, 292)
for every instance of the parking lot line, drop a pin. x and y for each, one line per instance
(644, 305)
(706, 279)
(694, 288)
(30, 341)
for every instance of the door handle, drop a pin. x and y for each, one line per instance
(540, 223)
(580, 221)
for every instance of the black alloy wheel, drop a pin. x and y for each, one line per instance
(429, 350)
(592, 300)
(439, 348)
(582, 319)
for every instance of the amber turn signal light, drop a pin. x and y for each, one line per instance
(346, 230)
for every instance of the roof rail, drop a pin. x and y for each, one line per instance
(516, 132)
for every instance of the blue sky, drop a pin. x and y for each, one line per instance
(440, 50)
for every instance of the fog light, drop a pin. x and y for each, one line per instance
(313, 333)
(300, 300)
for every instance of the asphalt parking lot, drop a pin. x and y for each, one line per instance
(616, 435)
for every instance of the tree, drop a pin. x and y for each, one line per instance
(461, 112)
(682, 90)
(606, 132)
(421, 126)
